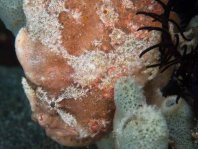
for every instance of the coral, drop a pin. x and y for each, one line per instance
(72, 53)
(11, 13)
(144, 128)
(179, 119)
(140, 125)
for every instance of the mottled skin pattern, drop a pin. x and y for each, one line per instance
(80, 35)
(75, 103)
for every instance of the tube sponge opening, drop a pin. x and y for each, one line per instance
(179, 119)
(145, 128)
(136, 124)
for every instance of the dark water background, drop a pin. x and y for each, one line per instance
(17, 130)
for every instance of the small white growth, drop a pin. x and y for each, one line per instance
(73, 92)
(117, 36)
(97, 43)
(143, 128)
(30, 93)
(179, 119)
(83, 133)
(88, 66)
(151, 7)
(133, 26)
(107, 13)
(127, 4)
(43, 24)
(42, 95)
(27, 88)
(71, 121)
(11, 13)
(104, 123)
(67, 118)
(76, 15)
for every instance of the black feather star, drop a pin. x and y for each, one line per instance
(185, 77)
(166, 47)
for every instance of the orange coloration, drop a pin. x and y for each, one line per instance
(73, 52)
(94, 126)
(108, 93)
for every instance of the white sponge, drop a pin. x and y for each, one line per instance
(128, 95)
(179, 119)
(136, 124)
(144, 128)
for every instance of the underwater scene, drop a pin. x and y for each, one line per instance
(98, 74)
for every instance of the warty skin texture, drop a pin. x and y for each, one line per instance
(72, 53)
